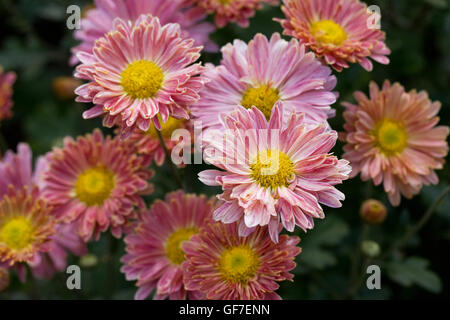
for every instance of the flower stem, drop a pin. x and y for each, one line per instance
(400, 242)
(172, 168)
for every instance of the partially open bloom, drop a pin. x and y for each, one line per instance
(373, 211)
(238, 11)
(6, 82)
(148, 144)
(225, 266)
(96, 182)
(139, 71)
(339, 31)
(154, 255)
(272, 171)
(262, 73)
(100, 20)
(392, 138)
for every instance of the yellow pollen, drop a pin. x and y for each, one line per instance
(328, 32)
(391, 136)
(142, 79)
(263, 97)
(239, 264)
(17, 233)
(173, 244)
(272, 169)
(94, 186)
(166, 128)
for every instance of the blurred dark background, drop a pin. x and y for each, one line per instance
(35, 43)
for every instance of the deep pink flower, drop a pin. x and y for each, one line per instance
(6, 82)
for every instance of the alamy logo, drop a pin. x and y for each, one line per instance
(374, 280)
(74, 280)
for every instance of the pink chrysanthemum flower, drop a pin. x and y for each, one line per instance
(273, 171)
(100, 20)
(262, 73)
(339, 31)
(137, 72)
(154, 255)
(225, 266)
(238, 11)
(392, 138)
(96, 182)
(148, 143)
(6, 82)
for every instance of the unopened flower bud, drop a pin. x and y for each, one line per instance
(373, 211)
(88, 261)
(64, 87)
(370, 248)
(4, 279)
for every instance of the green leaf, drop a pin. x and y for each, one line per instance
(414, 270)
(442, 4)
(429, 195)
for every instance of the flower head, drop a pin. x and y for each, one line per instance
(262, 73)
(100, 20)
(225, 266)
(6, 82)
(392, 138)
(238, 11)
(154, 255)
(373, 211)
(273, 171)
(339, 31)
(96, 182)
(131, 83)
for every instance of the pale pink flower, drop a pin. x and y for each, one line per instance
(154, 255)
(273, 171)
(6, 82)
(100, 20)
(238, 11)
(96, 182)
(392, 138)
(339, 31)
(262, 73)
(225, 266)
(139, 71)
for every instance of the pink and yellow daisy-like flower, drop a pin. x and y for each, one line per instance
(392, 138)
(100, 20)
(6, 82)
(262, 73)
(273, 171)
(339, 31)
(96, 182)
(154, 255)
(238, 11)
(139, 71)
(148, 143)
(225, 266)
(26, 225)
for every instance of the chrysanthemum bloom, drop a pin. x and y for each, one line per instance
(65, 240)
(273, 171)
(132, 83)
(100, 20)
(262, 73)
(225, 266)
(96, 182)
(6, 82)
(26, 225)
(339, 31)
(154, 255)
(392, 138)
(148, 143)
(238, 11)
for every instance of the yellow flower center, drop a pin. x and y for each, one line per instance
(328, 32)
(391, 136)
(166, 128)
(17, 233)
(263, 97)
(142, 79)
(173, 244)
(94, 186)
(272, 169)
(239, 264)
